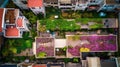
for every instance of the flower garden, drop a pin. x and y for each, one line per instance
(44, 47)
(75, 44)
(91, 43)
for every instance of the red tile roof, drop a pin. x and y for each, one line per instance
(12, 31)
(39, 65)
(1, 16)
(35, 3)
(20, 22)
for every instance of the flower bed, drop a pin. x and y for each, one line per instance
(74, 51)
(91, 43)
(44, 47)
(100, 43)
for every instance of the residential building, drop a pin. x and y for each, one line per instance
(12, 23)
(36, 6)
(118, 8)
(66, 4)
(1, 33)
(110, 5)
(81, 5)
(22, 4)
(2, 11)
(95, 4)
(51, 2)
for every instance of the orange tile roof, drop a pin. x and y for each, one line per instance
(20, 22)
(35, 3)
(12, 31)
(39, 65)
(1, 16)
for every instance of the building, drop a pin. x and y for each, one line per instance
(36, 6)
(51, 2)
(13, 24)
(95, 4)
(67, 4)
(110, 5)
(81, 5)
(21, 3)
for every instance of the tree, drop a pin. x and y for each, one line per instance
(31, 16)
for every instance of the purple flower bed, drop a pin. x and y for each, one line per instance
(48, 50)
(45, 45)
(74, 50)
(100, 43)
(96, 43)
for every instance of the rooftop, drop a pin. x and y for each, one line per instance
(39, 65)
(20, 22)
(111, 2)
(65, 1)
(35, 3)
(12, 31)
(10, 16)
(1, 16)
(52, 1)
(83, 1)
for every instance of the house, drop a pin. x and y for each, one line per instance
(13, 24)
(66, 4)
(1, 20)
(81, 5)
(1, 33)
(95, 4)
(110, 5)
(51, 2)
(22, 4)
(36, 6)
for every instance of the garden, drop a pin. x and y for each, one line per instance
(71, 24)
(60, 52)
(92, 43)
(16, 46)
(45, 47)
